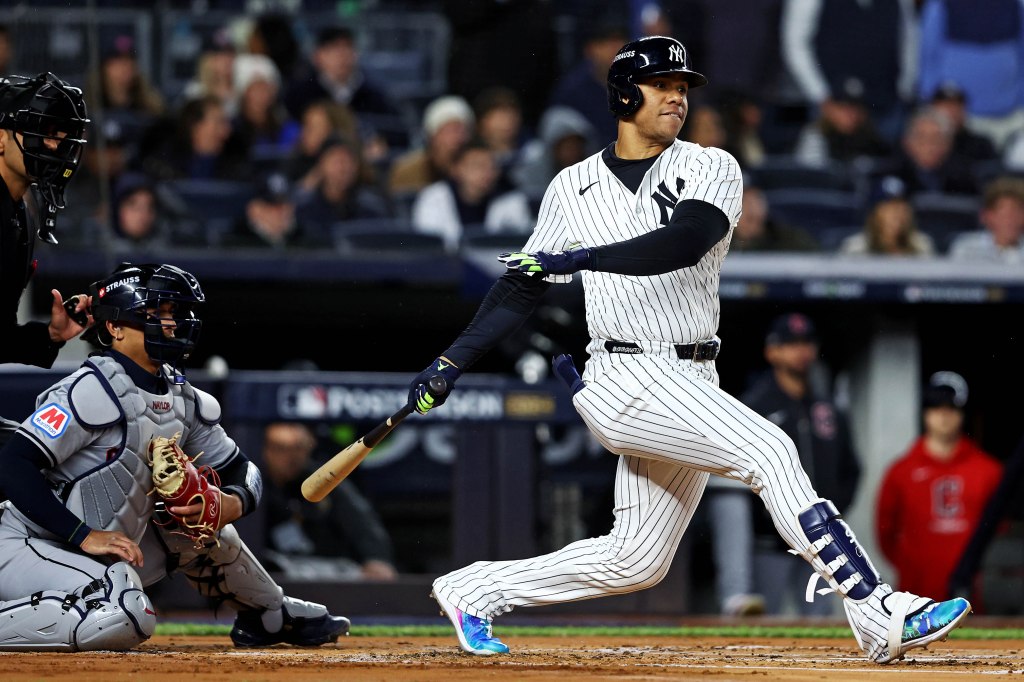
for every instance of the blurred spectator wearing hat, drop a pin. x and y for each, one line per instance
(335, 75)
(333, 191)
(564, 138)
(121, 91)
(926, 162)
(981, 48)
(890, 228)
(470, 197)
(270, 220)
(950, 99)
(843, 130)
(136, 220)
(792, 396)
(759, 231)
(584, 87)
(448, 123)
(1002, 218)
(261, 125)
(932, 497)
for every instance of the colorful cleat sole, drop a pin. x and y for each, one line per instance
(474, 634)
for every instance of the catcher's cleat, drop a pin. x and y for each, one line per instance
(315, 627)
(474, 634)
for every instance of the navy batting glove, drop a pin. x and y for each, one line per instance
(544, 263)
(422, 399)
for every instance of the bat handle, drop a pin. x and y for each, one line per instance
(437, 385)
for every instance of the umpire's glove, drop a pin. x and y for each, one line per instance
(543, 263)
(420, 397)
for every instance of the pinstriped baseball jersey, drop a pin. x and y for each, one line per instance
(587, 203)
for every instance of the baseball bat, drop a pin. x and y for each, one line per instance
(337, 468)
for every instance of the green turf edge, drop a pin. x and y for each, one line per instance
(204, 630)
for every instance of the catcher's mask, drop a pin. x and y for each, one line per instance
(140, 296)
(45, 108)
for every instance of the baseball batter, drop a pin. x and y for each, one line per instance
(648, 222)
(78, 537)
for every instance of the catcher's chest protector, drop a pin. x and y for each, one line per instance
(114, 494)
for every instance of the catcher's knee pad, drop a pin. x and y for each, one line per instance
(230, 573)
(110, 613)
(120, 614)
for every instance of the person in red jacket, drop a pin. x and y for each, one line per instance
(932, 498)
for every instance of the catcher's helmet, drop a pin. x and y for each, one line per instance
(641, 58)
(133, 295)
(40, 108)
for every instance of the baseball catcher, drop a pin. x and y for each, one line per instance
(123, 475)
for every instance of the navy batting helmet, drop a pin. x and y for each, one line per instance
(641, 58)
(45, 108)
(133, 296)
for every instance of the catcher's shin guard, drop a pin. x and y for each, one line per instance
(229, 573)
(110, 613)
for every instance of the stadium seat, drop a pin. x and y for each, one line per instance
(785, 172)
(391, 237)
(944, 216)
(831, 238)
(214, 205)
(815, 210)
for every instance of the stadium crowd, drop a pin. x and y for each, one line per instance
(911, 146)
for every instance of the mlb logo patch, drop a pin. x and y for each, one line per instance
(51, 419)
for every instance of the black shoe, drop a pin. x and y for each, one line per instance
(315, 627)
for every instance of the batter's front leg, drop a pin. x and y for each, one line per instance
(654, 502)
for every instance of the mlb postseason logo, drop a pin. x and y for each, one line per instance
(51, 419)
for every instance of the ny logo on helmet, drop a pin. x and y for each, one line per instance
(675, 53)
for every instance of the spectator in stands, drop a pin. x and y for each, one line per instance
(88, 197)
(135, 219)
(469, 197)
(199, 150)
(214, 72)
(122, 92)
(951, 100)
(584, 88)
(926, 163)
(932, 497)
(273, 36)
(757, 230)
(261, 124)
(842, 132)
(270, 220)
(332, 190)
(336, 76)
(499, 124)
(1002, 217)
(320, 121)
(789, 397)
(981, 49)
(741, 118)
(341, 537)
(703, 126)
(890, 228)
(564, 137)
(824, 48)
(448, 123)
(6, 50)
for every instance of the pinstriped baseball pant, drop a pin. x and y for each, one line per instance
(671, 426)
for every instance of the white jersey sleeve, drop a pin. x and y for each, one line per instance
(714, 176)
(552, 232)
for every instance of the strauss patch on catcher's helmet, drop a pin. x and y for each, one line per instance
(639, 59)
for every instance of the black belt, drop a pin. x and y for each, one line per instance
(702, 351)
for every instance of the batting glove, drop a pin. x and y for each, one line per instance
(543, 263)
(420, 397)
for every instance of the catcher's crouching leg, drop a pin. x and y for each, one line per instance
(111, 613)
(230, 573)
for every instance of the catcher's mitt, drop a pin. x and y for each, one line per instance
(179, 484)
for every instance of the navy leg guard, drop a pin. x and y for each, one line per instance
(835, 554)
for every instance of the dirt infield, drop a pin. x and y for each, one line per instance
(534, 658)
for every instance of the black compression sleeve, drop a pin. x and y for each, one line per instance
(695, 227)
(507, 305)
(241, 477)
(25, 486)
